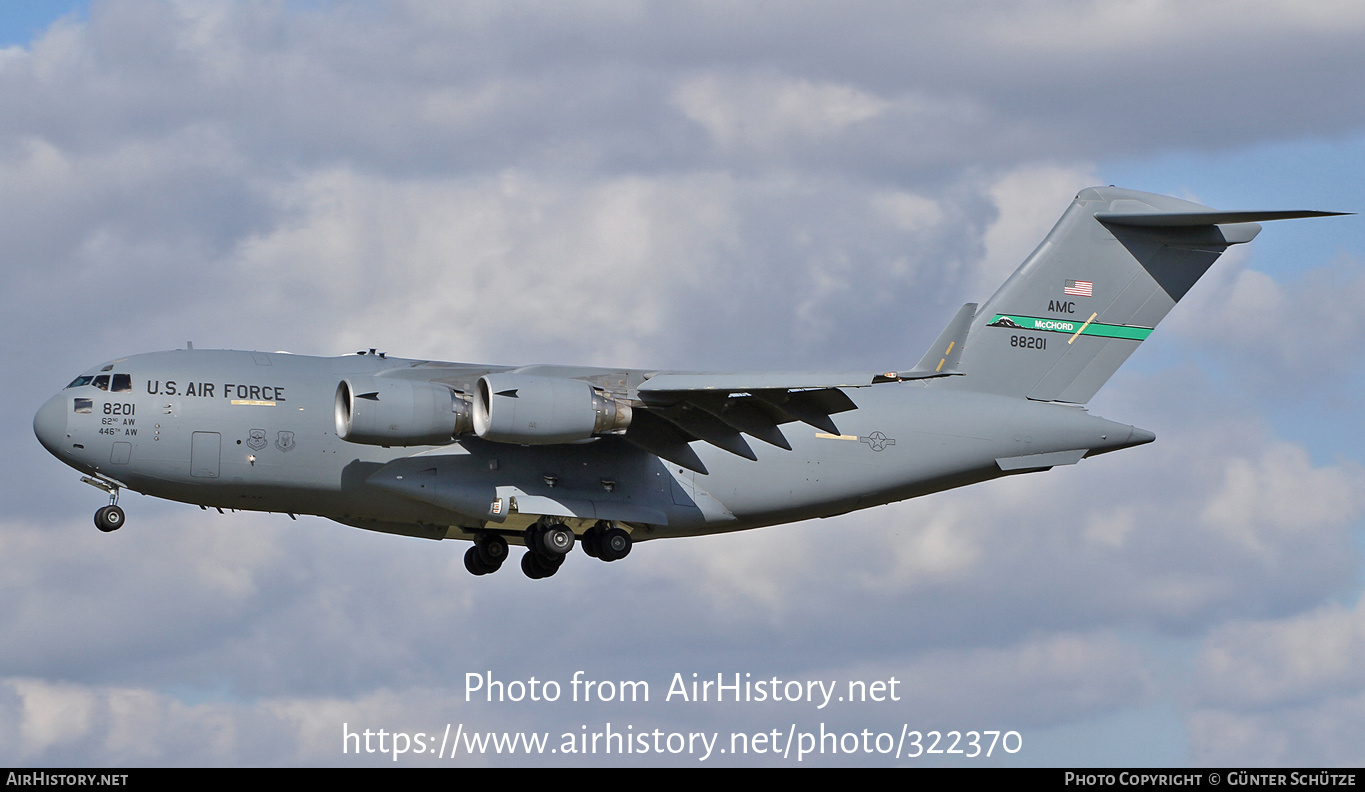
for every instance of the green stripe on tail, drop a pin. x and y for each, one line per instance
(1070, 326)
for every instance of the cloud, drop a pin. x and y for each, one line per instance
(1270, 329)
(914, 90)
(761, 113)
(1307, 657)
(1282, 491)
(1282, 690)
(571, 261)
(1024, 217)
(1322, 735)
(122, 726)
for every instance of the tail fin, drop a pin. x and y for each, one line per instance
(1112, 268)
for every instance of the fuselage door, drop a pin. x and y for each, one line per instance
(204, 451)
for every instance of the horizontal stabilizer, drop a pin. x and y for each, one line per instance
(1186, 219)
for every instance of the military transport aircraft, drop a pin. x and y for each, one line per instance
(545, 455)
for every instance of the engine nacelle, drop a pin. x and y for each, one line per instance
(531, 410)
(397, 412)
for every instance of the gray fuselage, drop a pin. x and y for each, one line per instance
(257, 431)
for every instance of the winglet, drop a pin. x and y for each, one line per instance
(941, 359)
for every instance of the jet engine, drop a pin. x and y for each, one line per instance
(397, 412)
(532, 410)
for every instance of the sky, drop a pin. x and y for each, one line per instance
(783, 186)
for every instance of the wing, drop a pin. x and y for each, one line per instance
(720, 408)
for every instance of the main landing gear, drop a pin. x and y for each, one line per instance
(606, 541)
(547, 545)
(487, 554)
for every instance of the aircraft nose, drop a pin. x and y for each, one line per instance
(50, 423)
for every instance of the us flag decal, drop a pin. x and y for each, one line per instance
(1077, 288)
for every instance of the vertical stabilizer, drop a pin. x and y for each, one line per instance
(1114, 265)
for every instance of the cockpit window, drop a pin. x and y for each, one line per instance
(102, 382)
(83, 405)
(81, 380)
(123, 383)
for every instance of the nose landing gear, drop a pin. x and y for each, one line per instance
(108, 518)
